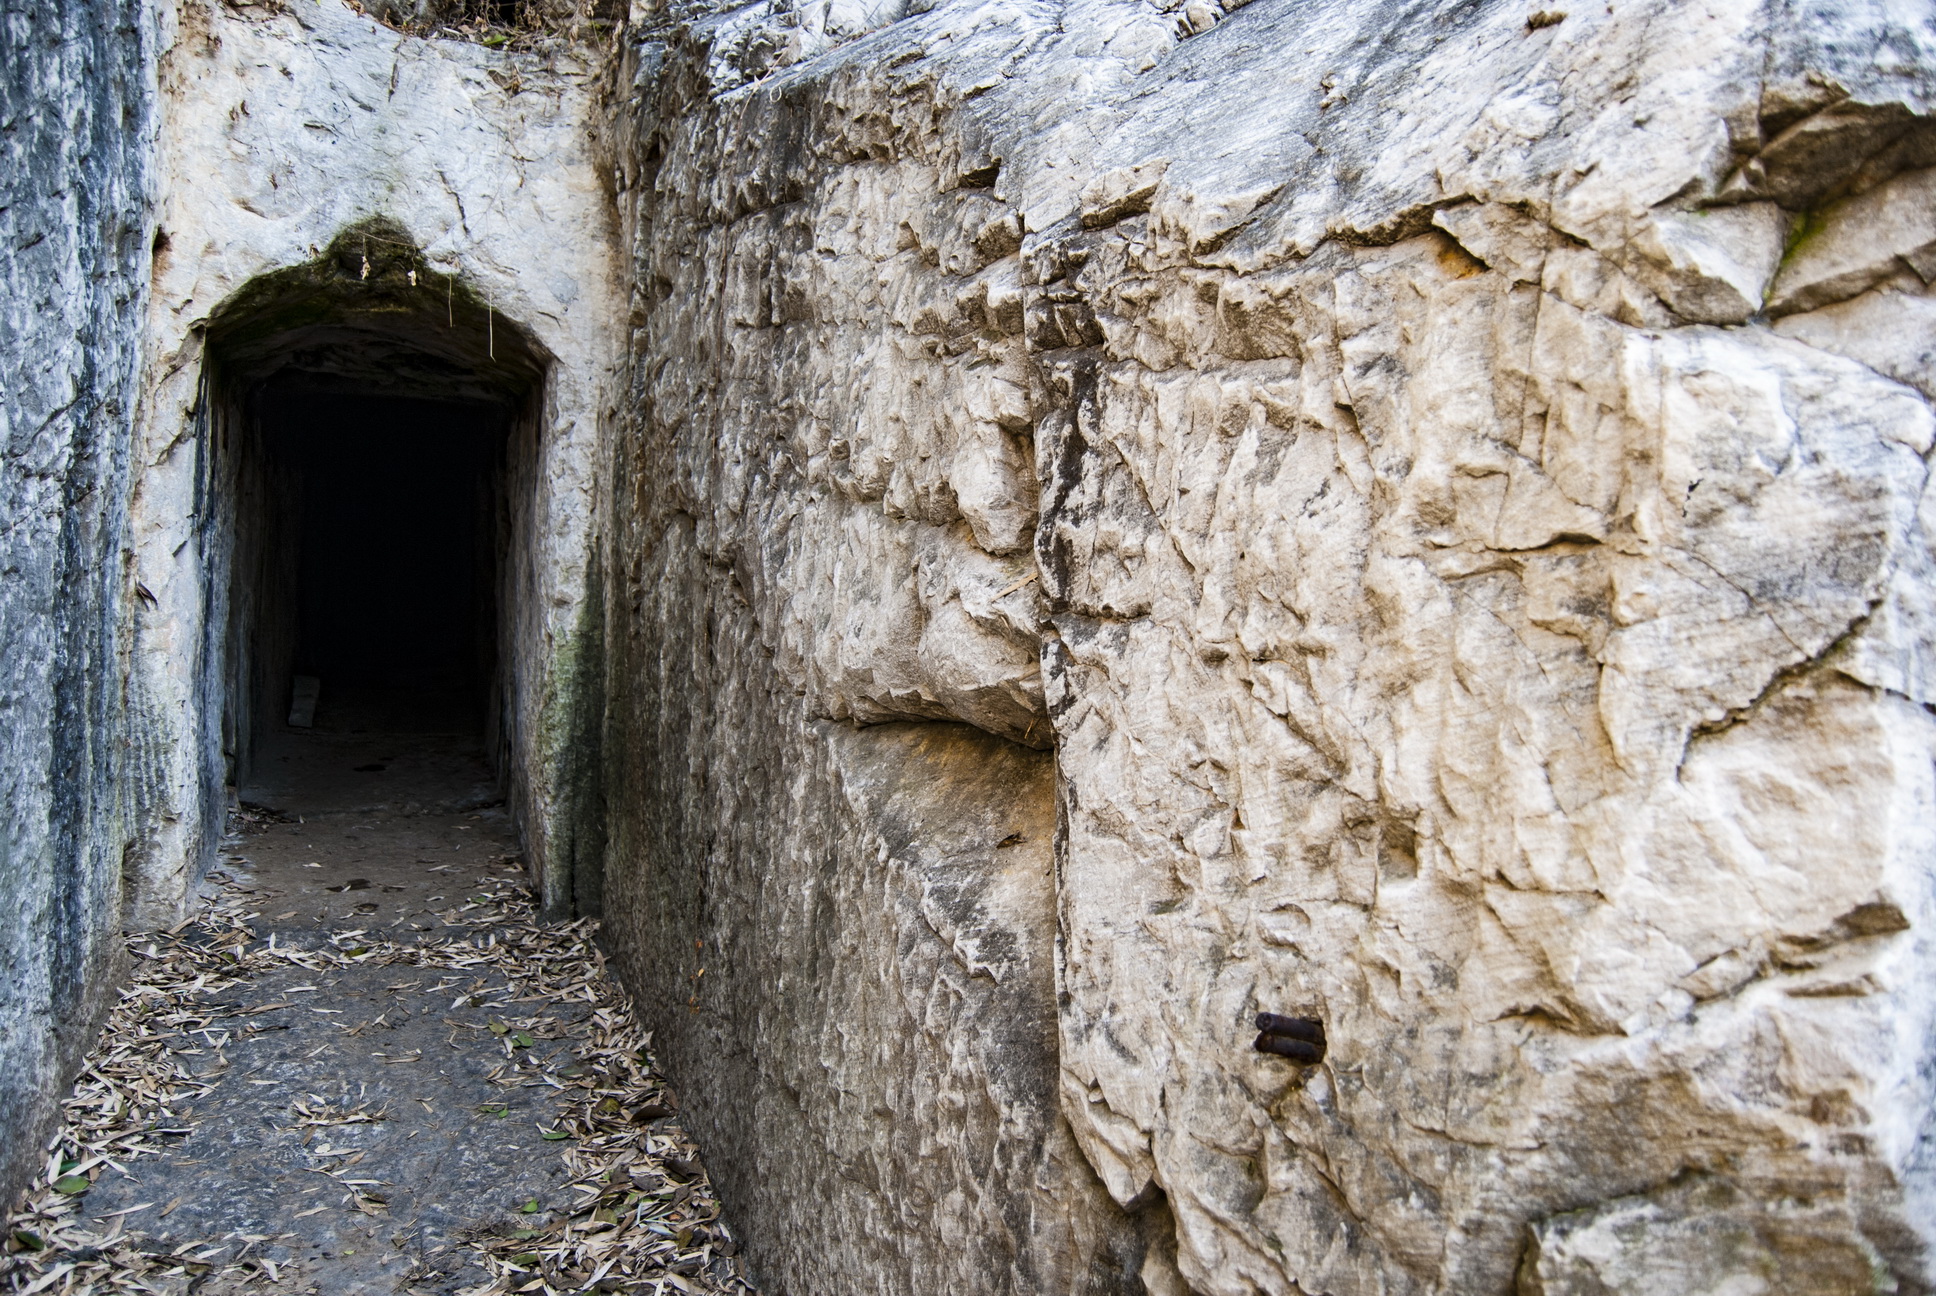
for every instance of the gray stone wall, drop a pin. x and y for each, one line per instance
(76, 101)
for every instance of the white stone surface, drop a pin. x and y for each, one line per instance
(280, 128)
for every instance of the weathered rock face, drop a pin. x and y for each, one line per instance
(1450, 487)
(76, 103)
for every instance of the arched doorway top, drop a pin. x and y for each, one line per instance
(373, 315)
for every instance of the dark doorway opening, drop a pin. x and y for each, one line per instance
(395, 610)
(366, 599)
(370, 432)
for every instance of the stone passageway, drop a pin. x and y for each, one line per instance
(365, 1065)
(988, 547)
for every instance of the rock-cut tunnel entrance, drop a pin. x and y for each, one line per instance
(368, 593)
(371, 428)
(393, 591)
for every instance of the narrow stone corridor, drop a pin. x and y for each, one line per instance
(365, 1065)
(1152, 647)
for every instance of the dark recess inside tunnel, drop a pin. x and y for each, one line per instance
(395, 554)
(368, 428)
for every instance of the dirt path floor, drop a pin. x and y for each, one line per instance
(364, 1066)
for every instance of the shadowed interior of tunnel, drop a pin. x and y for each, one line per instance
(394, 560)
(369, 428)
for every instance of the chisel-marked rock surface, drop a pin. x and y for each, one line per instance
(1450, 484)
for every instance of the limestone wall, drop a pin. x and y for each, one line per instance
(76, 106)
(1446, 484)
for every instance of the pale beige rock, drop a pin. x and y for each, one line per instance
(1459, 615)
(1712, 266)
(1890, 330)
(1667, 1241)
(1859, 242)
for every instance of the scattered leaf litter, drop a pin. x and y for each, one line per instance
(647, 1220)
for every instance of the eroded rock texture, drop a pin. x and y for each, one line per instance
(1447, 483)
(76, 101)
